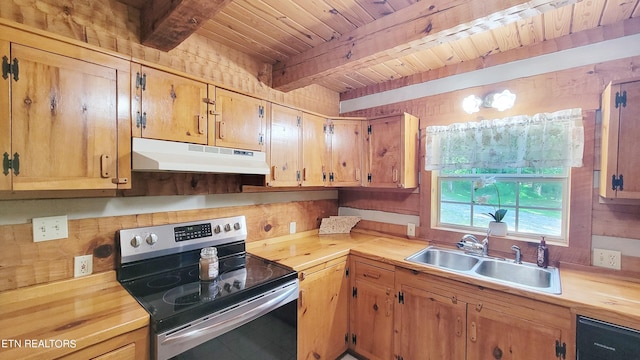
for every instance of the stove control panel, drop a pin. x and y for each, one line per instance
(153, 241)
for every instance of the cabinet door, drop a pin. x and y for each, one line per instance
(240, 121)
(323, 313)
(620, 146)
(372, 321)
(173, 107)
(430, 325)
(494, 334)
(346, 153)
(63, 123)
(392, 152)
(314, 159)
(5, 118)
(285, 146)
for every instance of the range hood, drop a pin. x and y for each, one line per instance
(161, 155)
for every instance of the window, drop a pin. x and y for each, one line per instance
(519, 164)
(536, 201)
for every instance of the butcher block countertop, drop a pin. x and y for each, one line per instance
(604, 297)
(56, 319)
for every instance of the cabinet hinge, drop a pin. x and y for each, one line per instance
(400, 297)
(346, 271)
(260, 139)
(561, 349)
(353, 339)
(298, 175)
(261, 111)
(324, 176)
(369, 177)
(346, 338)
(141, 81)
(141, 120)
(299, 121)
(354, 292)
(621, 99)
(11, 164)
(369, 129)
(331, 129)
(617, 183)
(331, 177)
(10, 68)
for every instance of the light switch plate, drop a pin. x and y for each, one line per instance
(50, 228)
(411, 229)
(292, 227)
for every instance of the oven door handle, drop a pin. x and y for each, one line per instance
(221, 327)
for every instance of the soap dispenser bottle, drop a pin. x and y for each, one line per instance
(543, 254)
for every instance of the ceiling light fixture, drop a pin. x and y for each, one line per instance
(499, 101)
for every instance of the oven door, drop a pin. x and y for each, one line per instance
(264, 326)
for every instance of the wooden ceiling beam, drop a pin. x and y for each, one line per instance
(418, 27)
(164, 24)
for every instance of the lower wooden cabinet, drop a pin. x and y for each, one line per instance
(130, 346)
(323, 321)
(372, 302)
(437, 318)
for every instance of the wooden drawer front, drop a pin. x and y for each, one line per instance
(374, 274)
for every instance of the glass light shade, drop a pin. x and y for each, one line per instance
(471, 104)
(502, 101)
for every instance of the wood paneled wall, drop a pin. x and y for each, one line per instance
(24, 263)
(578, 87)
(115, 26)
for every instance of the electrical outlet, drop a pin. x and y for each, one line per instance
(411, 229)
(606, 258)
(50, 228)
(82, 265)
(292, 227)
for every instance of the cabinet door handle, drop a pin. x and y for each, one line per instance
(202, 124)
(389, 305)
(274, 170)
(300, 298)
(458, 326)
(370, 275)
(304, 174)
(473, 333)
(105, 161)
(221, 130)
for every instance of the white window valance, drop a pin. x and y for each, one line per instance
(540, 141)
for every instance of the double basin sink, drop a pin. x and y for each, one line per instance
(524, 275)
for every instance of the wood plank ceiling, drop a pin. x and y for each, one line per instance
(348, 44)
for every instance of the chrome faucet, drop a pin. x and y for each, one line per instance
(516, 248)
(471, 243)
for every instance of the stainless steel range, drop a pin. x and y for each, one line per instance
(247, 312)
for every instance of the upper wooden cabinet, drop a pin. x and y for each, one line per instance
(284, 152)
(620, 167)
(296, 148)
(167, 106)
(391, 152)
(344, 144)
(240, 120)
(64, 117)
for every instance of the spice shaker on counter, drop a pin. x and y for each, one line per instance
(208, 264)
(543, 254)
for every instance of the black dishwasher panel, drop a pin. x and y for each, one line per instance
(598, 340)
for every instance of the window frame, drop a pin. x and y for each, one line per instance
(564, 179)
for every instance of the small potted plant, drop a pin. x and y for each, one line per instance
(496, 227)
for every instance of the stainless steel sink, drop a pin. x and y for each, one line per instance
(524, 275)
(443, 258)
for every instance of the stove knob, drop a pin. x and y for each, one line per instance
(237, 226)
(217, 229)
(227, 227)
(227, 287)
(152, 239)
(136, 241)
(236, 284)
